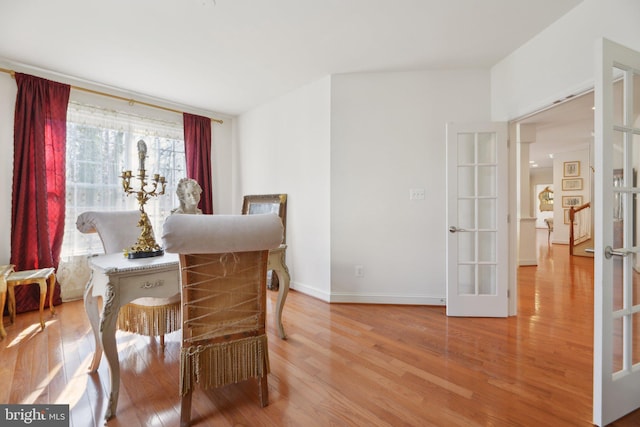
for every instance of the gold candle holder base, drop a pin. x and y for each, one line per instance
(146, 246)
(144, 254)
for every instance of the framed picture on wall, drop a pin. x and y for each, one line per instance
(569, 201)
(571, 169)
(572, 184)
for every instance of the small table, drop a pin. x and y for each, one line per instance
(119, 281)
(5, 270)
(42, 277)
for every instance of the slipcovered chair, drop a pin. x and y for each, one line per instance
(118, 231)
(223, 262)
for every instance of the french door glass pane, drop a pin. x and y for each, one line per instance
(487, 246)
(487, 214)
(466, 280)
(618, 353)
(487, 176)
(466, 181)
(487, 148)
(466, 148)
(635, 357)
(466, 247)
(635, 291)
(467, 213)
(617, 282)
(487, 279)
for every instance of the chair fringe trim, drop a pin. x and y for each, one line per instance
(219, 364)
(152, 321)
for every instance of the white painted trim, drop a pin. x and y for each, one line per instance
(387, 299)
(309, 290)
(368, 298)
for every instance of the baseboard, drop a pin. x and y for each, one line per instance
(387, 299)
(344, 297)
(527, 262)
(311, 291)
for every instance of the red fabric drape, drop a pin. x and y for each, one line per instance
(197, 147)
(38, 200)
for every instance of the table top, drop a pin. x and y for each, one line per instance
(117, 262)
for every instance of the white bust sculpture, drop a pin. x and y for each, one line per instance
(188, 192)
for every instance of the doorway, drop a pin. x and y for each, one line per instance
(562, 136)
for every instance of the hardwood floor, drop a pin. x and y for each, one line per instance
(345, 364)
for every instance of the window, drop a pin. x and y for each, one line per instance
(101, 143)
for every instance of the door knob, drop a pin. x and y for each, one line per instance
(609, 252)
(454, 229)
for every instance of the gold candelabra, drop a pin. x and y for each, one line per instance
(146, 245)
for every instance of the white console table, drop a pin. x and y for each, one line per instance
(119, 281)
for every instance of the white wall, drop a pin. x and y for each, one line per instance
(560, 60)
(347, 149)
(387, 137)
(222, 136)
(284, 147)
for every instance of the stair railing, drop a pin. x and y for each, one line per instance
(580, 225)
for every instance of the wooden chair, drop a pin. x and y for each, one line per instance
(223, 262)
(153, 317)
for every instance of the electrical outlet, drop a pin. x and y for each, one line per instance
(359, 271)
(416, 194)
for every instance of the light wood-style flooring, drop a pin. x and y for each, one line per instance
(345, 364)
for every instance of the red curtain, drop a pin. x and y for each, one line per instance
(197, 147)
(38, 200)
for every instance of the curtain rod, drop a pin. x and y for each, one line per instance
(121, 98)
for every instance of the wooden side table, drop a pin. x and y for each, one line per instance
(27, 277)
(5, 270)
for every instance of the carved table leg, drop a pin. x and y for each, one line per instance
(12, 303)
(3, 297)
(42, 283)
(52, 288)
(108, 337)
(91, 308)
(283, 275)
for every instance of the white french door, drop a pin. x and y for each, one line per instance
(477, 241)
(616, 356)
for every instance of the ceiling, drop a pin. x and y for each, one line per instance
(228, 56)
